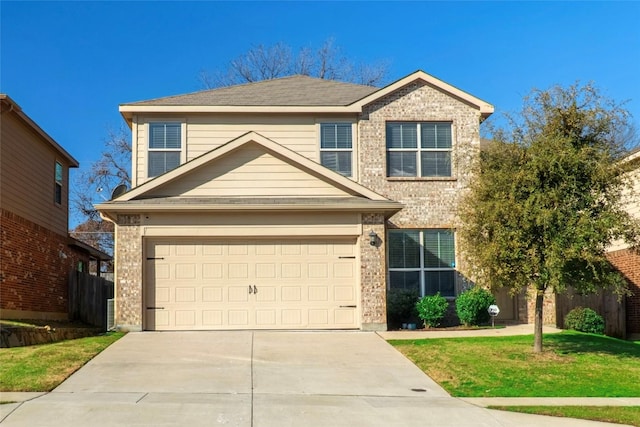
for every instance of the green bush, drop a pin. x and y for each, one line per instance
(401, 306)
(432, 309)
(584, 320)
(472, 305)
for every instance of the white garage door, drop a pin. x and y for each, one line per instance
(195, 284)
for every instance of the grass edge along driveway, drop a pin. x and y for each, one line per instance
(43, 367)
(572, 365)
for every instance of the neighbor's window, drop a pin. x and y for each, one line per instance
(336, 147)
(57, 194)
(165, 147)
(422, 260)
(420, 149)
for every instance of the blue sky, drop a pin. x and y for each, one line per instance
(70, 64)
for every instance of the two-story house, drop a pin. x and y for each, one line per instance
(291, 203)
(36, 251)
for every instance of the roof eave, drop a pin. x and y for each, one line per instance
(365, 206)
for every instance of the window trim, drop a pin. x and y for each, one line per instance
(352, 150)
(148, 149)
(422, 269)
(419, 150)
(58, 184)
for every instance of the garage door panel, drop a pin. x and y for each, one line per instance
(206, 284)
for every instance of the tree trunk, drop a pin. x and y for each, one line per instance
(537, 339)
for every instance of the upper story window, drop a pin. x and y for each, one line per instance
(165, 147)
(58, 178)
(422, 260)
(420, 149)
(336, 147)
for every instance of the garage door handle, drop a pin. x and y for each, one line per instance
(348, 306)
(250, 289)
(255, 289)
(155, 308)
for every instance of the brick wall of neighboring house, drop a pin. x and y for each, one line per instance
(429, 202)
(34, 269)
(628, 263)
(128, 284)
(548, 307)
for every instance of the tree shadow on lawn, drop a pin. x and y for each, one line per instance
(572, 343)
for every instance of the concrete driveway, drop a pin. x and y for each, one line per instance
(256, 379)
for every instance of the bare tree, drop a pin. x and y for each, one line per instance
(269, 62)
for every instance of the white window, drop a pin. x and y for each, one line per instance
(58, 178)
(336, 147)
(165, 147)
(423, 261)
(420, 149)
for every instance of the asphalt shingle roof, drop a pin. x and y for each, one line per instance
(295, 90)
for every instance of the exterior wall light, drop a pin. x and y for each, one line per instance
(373, 238)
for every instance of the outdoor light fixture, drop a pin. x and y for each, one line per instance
(373, 238)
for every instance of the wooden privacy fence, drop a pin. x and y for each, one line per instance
(88, 297)
(605, 303)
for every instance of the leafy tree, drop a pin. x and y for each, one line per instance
(269, 62)
(545, 201)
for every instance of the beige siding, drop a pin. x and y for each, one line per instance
(204, 133)
(631, 201)
(251, 225)
(251, 172)
(27, 165)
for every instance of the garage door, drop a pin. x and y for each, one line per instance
(192, 285)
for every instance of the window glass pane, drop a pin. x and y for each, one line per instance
(339, 161)
(404, 249)
(409, 280)
(400, 163)
(439, 250)
(57, 197)
(335, 135)
(436, 135)
(440, 281)
(58, 172)
(164, 135)
(162, 161)
(436, 163)
(402, 135)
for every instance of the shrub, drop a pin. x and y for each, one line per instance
(584, 320)
(472, 305)
(432, 309)
(401, 306)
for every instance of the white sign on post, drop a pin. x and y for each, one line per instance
(493, 312)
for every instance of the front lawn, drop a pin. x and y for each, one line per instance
(572, 365)
(43, 367)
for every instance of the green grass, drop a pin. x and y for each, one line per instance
(43, 367)
(611, 414)
(572, 365)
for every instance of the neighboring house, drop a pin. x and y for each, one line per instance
(624, 258)
(36, 252)
(291, 203)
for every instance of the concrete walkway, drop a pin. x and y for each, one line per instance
(259, 379)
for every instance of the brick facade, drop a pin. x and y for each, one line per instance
(128, 284)
(34, 270)
(373, 267)
(628, 263)
(429, 202)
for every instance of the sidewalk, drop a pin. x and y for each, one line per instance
(509, 330)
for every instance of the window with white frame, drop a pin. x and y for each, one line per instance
(418, 149)
(336, 147)
(423, 261)
(165, 147)
(58, 179)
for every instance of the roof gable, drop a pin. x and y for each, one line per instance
(250, 166)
